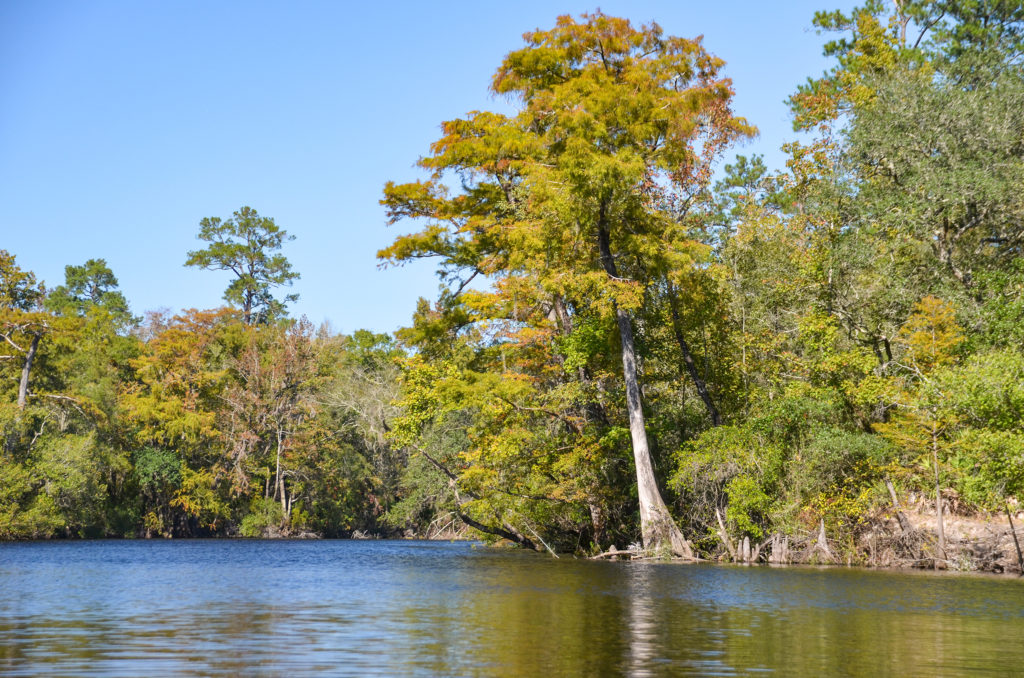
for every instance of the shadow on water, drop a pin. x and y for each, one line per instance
(422, 608)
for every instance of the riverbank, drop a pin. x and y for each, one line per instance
(972, 542)
(902, 539)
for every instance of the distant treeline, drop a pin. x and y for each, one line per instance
(232, 421)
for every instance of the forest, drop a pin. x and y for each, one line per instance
(643, 340)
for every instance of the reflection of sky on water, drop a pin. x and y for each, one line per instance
(419, 608)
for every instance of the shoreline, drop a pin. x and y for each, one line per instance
(622, 557)
(976, 543)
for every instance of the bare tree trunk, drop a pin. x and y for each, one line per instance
(780, 549)
(905, 525)
(724, 535)
(821, 544)
(660, 533)
(279, 479)
(505, 532)
(597, 521)
(26, 369)
(940, 528)
(284, 498)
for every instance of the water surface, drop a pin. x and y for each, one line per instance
(155, 608)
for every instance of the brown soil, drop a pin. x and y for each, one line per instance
(974, 541)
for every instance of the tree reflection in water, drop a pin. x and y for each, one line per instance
(427, 609)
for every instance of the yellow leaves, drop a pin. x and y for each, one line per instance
(842, 505)
(426, 395)
(602, 87)
(907, 430)
(162, 419)
(569, 209)
(199, 498)
(870, 390)
(413, 199)
(431, 241)
(931, 335)
(602, 292)
(180, 379)
(924, 418)
(483, 143)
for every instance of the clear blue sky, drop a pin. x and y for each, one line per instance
(123, 123)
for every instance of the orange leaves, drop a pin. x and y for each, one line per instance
(873, 48)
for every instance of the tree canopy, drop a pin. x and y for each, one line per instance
(246, 245)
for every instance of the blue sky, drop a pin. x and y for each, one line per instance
(122, 124)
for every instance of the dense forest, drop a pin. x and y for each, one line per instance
(641, 339)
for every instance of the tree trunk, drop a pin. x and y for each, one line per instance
(905, 526)
(659, 531)
(26, 369)
(284, 500)
(821, 544)
(940, 528)
(691, 367)
(780, 549)
(279, 479)
(724, 535)
(597, 522)
(506, 531)
(1013, 533)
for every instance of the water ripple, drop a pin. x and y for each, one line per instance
(218, 608)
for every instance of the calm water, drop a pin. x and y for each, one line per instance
(420, 608)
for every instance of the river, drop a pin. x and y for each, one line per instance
(396, 608)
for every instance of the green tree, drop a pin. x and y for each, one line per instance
(246, 245)
(170, 419)
(23, 323)
(364, 387)
(91, 285)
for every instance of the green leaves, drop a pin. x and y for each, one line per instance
(18, 288)
(87, 287)
(245, 245)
